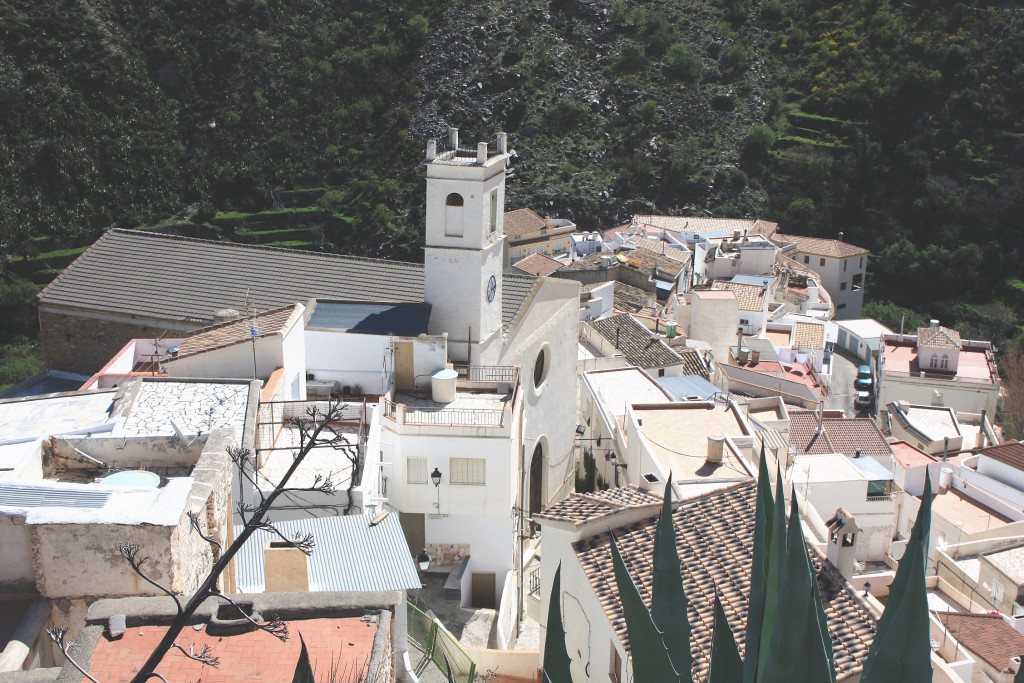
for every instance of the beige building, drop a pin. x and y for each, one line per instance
(528, 233)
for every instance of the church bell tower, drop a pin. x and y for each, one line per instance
(464, 242)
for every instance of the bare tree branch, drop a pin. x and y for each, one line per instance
(314, 431)
(274, 627)
(58, 637)
(130, 551)
(303, 541)
(205, 655)
(193, 517)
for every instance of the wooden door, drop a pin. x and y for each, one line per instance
(405, 376)
(414, 526)
(485, 590)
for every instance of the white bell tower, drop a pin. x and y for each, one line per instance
(464, 242)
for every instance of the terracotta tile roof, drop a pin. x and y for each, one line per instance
(523, 222)
(635, 342)
(165, 277)
(819, 246)
(986, 635)
(580, 508)
(631, 299)
(645, 261)
(841, 435)
(253, 656)
(659, 247)
(940, 337)
(808, 336)
(538, 264)
(692, 361)
(1009, 453)
(749, 297)
(714, 536)
(236, 331)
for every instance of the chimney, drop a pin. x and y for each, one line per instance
(431, 149)
(840, 235)
(945, 479)
(453, 138)
(502, 143)
(285, 568)
(650, 481)
(716, 447)
(481, 153)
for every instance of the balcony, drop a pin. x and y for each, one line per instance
(484, 399)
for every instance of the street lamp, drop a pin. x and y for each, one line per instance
(423, 560)
(435, 477)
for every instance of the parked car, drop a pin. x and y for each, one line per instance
(863, 381)
(863, 400)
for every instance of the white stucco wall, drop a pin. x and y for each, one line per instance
(550, 410)
(349, 359)
(234, 362)
(962, 397)
(16, 571)
(832, 275)
(714, 320)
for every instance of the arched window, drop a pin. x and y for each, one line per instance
(945, 362)
(453, 215)
(934, 363)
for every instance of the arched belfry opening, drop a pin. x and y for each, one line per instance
(453, 219)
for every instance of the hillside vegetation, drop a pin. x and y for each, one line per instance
(896, 123)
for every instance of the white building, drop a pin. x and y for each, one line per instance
(840, 265)
(936, 367)
(862, 338)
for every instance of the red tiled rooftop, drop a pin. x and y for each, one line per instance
(839, 435)
(986, 635)
(247, 657)
(910, 456)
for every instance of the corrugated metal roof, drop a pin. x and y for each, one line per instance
(404, 320)
(350, 555)
(20, 496)
(688, 385)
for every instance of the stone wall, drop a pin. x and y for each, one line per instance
(83, 343)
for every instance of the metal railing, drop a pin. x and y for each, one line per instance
(430, 637)
(488, 373)
(457, 417)
(945, 377)
(878, 497)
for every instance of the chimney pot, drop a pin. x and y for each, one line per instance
(453, 138)
(481, 152)
(502, 143)
(431, 149)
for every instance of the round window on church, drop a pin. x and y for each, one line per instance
(454, 199)
(540, 366)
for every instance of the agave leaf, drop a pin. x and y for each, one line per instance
(303, 669)
(799, 653)
(758, 568)
(651, 661)
(556, 657)
(901, 650)
(726, 665)
(668, 600)
(775, 576)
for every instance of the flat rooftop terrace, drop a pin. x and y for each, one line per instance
(974, 366)
(955, 507)
(678, 438)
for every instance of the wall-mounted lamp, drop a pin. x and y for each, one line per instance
(423, 560)
(435, 477)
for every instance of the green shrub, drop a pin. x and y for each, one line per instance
(682, 64)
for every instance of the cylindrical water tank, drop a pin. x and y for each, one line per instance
(716, 446)
(442, 385)
(671, 329)
(945, 479)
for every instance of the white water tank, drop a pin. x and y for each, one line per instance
(945, 479)
(442, 385)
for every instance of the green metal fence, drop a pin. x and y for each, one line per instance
(428, 636)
